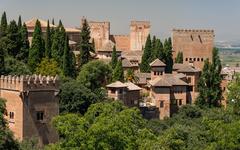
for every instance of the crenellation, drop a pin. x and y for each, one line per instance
(193, 30)
(26, 82)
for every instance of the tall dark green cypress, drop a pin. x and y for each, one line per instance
(147, 56)
(19, 22)
(168, 55)
(158, 50)
(37, 48)
(179, 58)
(85, 46)
(67, 65)
(13, 41)
(118, 74)
(114, 57)
(48, 41)
(2, 64)
(24, 50)
(209, 85)
(4, 24)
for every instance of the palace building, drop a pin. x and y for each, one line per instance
(31, 103)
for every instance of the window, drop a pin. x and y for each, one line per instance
(161, 104)
(179, 102)
(120, 91)
(192, 37)
(190, 59)
(161, 73)
(198, 59)
(154, 72)
(11, 115)
(186, 59)
(40, 115)
(201, 59)
(200, 38)
(189, 80)
(112, 91)
(190, 88)
(194, 59)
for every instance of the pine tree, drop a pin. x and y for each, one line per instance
(19, 22)
(37, 48)
(147, 56)
(48, 42)
(24, 50)
(3, 26)
(68, 66)
(84, 45)
(179, 58)
(209, 85)
(118, 72)
(114, 58)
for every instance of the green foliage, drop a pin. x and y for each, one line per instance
(85, 46)
(234, 94)
(29, 144)
(179, 58)
(48, 67)
(147, 56)
(7, 140)
(131, 77)
(48, 41)
(104, 126)
(4, 24)
(114, 58)
(95, 74)
(209, 83)
(118, 74)
(24, 44)
(76, 98)
(68, 65)
(158, 50)
(168, 55)
(19, 22)
(37, 49)
(2, 56)
(16, 67)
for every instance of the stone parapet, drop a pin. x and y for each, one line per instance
(29, 83)
(193, 30)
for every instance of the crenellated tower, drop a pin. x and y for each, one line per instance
(31, 103)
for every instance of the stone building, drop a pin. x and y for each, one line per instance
(196, 45)
(128, 93)
(31, 103)
(139, 30)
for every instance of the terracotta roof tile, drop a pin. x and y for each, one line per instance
(157, 63)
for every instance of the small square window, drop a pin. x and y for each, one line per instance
(112, 91)
(40, 115)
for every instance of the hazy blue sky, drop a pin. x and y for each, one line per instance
(221, 15)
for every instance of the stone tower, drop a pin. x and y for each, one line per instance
(196, 45)
(31, 103)
(100, 32)
(139, 31)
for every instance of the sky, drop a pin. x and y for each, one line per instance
(221, 15)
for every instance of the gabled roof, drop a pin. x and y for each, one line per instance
(117, 84)
(32, 22)
(184, 68)
(143, 77)
(157, 63)
(167, 80)
(132, 87)
(126, 63)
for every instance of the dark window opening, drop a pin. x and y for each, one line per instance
(112, 91)
(201, 59)
(198, 59)
(190, 88)
(191, 37)
(190, 59)
(180, 102)
(200, 38)
(11, 115)
(161, 104)
(186, 59)
(40, 115)
(194, 59)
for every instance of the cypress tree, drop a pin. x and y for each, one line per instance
(146, 57)
(118, 72)
(3, 27)
(158, 50)
(37, 48)
(93, 46)
(68, 66)
(48, 42)
(19, 22)
(114, 58)
(84, 46)
(168, 55)
(179, 58)
(24, 50)
(53, 22)
(2, 65)
(209, 85)
(13, 40)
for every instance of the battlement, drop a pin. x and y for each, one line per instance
(138, 23)
(120, 35)
(193, 30)
(99, 23)
(29, 83)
